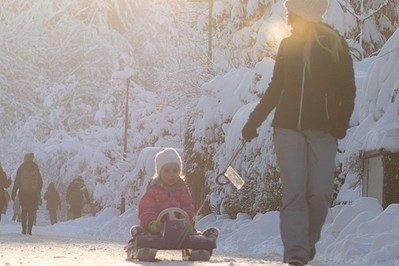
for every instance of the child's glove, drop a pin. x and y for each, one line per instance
(190, 229)
(154, 227)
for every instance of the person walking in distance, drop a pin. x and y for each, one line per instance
(53, 202)
(28, 183)
(313, 91)
(76, 193)
(4, 183)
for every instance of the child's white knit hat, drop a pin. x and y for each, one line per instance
(168, 155)
(311, 10)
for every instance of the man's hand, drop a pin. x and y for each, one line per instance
(248, 132)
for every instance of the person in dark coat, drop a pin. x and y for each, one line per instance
(76, 193)
(4, 183)
(28, 183)
(312, 91)
(53, 202)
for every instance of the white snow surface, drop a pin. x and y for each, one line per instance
(358, 234)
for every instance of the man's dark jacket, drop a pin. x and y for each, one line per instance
(320, 100)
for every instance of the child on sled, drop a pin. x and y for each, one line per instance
(167, 189)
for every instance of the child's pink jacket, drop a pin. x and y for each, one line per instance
(160, 196)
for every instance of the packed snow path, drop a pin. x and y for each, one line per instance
(46, 248)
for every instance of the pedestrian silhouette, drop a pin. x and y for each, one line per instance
(53, 202)
(76, 193)
(28, 183)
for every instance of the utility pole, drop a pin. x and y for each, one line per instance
(125, 75)
(126, 118)
(123, 200)
(210, 9)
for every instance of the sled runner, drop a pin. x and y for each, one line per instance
(175, 236)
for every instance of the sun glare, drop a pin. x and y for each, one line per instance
(275, 32)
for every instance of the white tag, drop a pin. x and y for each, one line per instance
(234, 177)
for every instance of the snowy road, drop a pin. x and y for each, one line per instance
(45, 248)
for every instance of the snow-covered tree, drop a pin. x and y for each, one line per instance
(375, 23)
(213, 134)
(60, 100)
(244, 32)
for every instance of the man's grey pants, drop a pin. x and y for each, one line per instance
(307, 165)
